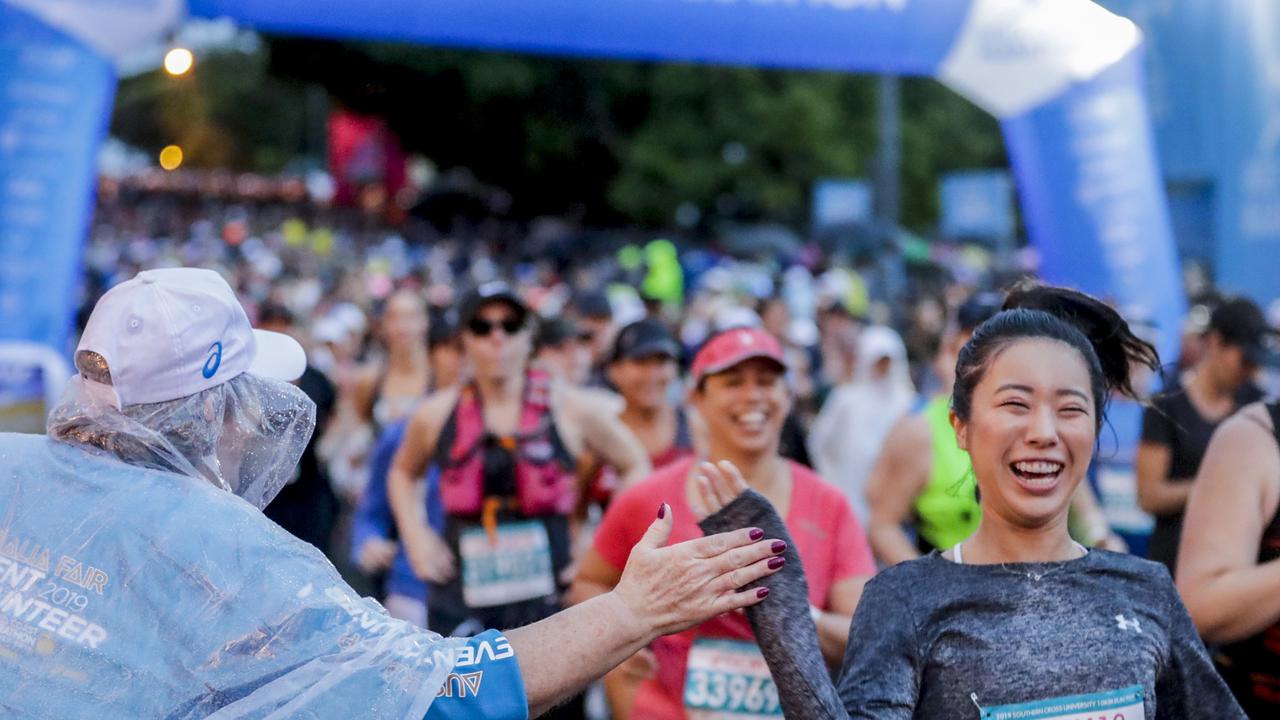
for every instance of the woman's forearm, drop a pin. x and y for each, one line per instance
(407, 510)
(783, 627)
(890, 543)
(561, 655)
(1164, 497)
(1235, 604)
(833, 635)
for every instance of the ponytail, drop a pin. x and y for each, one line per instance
(1095, 330)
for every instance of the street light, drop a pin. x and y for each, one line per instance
(178, 61)
(171, 157)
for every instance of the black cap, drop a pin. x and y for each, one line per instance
(556, 331)
(978, 308)
(592, 304)
(494, 291)
(645, 338)
(1240, 322)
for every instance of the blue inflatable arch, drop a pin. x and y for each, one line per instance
(1062, 76)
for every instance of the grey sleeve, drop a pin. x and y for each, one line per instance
(783, 627)
(881, 674)
(1188, 686)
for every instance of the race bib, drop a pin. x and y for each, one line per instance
(510, 568)
(729, 680)
(1124, 704)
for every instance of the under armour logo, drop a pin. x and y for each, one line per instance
(1126, 624)
(746, 337)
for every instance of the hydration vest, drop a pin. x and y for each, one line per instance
(541, 480)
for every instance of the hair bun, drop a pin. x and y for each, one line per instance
(1116, 345)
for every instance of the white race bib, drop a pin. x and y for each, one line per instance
(729, 680)
(1124, 704)
(513, 567)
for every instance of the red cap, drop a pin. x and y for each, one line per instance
(734, 347)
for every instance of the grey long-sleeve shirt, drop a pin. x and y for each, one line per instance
(933, 639)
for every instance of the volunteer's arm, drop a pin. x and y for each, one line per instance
(597, 577)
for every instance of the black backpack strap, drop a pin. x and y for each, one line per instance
(443, 455)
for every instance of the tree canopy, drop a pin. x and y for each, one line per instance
(611, 141)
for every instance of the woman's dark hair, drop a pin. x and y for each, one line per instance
(1095, 330)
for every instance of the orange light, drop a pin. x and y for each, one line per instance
(171, 157)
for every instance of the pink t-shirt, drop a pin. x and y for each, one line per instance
(831, 544)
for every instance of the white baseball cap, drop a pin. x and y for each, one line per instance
(172, 333)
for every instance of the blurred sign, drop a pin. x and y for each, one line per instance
(977, 204)
(1248, 223)
(364, 155)
(1213, 76)
(841, 202)
(55, 95)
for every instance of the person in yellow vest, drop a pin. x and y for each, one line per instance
(923, 479)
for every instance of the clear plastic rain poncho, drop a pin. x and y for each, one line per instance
(139, 579)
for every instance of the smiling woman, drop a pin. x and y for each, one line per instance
(741, 393)
(1017, 620)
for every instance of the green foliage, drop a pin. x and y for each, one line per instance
(228, 112)
(614, 141)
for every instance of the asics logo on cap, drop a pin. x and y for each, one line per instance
(215, 359)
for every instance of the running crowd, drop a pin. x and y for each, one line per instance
(841, 529)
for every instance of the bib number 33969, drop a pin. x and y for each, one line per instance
(512, 567)
(1123, 704)
(729, 680)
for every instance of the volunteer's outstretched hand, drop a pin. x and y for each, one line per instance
(673, 588)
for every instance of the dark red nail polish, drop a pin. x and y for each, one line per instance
(662, 511)
(778, 546)
(777, 562)
(762, 593)
(756, 534)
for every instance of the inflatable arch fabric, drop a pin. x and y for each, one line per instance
(1064, 78)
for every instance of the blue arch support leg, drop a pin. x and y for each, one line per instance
(55, 100)
(1093, 201)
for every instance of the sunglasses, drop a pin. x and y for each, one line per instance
(481, 327)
